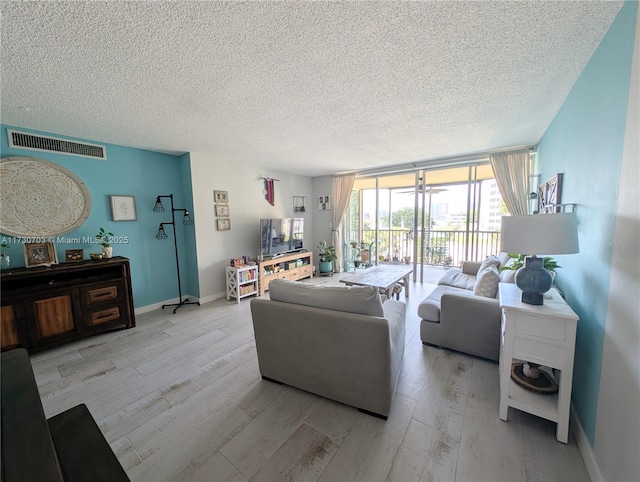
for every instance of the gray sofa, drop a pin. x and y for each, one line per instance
(340, 342)
(454, 317)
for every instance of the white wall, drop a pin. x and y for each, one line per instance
(246, 206)
(617, 436)
(321, 219)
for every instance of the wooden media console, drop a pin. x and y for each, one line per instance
(292, 266)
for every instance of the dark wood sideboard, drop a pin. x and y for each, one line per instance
(43, 307)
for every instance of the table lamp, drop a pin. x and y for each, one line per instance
(547, 234)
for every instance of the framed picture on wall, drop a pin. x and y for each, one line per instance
(222, 210)
(223, 224)
(123, 208)
(221, 196)
(324, 203)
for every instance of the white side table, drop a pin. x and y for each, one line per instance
(543, 334)
(241, 282)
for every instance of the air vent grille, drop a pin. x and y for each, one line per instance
(22, 140)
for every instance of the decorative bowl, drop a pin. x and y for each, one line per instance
(95, 256)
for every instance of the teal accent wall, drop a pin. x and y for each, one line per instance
(143, 174)
(191, 283)
(585, 142)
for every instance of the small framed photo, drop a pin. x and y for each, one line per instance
(324, 203)
(223, 224)
(221, 196)
(123, 208)
(222, 210)
(39, 254)
(73, 255)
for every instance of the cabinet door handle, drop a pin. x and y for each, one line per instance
(102, 294)
(105, 315)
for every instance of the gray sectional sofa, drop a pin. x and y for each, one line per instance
(340, 342)
(454, 317)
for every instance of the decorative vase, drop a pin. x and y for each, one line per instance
(533, 280)
(107, 251)
(5, 261)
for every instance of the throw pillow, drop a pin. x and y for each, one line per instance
(457, 279)
(490, 261)
(504, 259)
(487, 283)
(507, 276)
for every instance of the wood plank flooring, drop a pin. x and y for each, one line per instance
(180, 397)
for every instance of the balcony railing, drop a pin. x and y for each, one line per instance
(441, 248)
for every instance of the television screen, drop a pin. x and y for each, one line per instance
(282, 235)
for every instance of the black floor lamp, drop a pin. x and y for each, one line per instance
(186, 220)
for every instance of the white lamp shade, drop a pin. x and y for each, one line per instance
(540, 234)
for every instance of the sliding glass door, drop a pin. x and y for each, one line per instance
(436, 217)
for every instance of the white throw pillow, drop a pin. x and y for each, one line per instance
(490, 261)
(487, 283)
(507, 276)
(504, 259)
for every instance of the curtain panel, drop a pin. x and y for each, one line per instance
(341, 187)
(512, 170)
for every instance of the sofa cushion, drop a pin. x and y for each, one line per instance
(363, 300)
(429, 308)
(487, 282)
(490, 261)
(457, 279)
(395, 313)
(507, 276)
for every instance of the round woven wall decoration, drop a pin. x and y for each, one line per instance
(40, 198)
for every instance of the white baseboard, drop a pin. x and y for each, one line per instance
(586, 450)
(158, 306)
(215, 296)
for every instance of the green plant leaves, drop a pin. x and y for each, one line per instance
(548, 262)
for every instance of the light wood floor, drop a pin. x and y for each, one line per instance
(180, 397)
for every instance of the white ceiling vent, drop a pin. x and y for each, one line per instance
(22, 140)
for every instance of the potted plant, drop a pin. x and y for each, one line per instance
(327, 257)
(518, 262)
(103, 238)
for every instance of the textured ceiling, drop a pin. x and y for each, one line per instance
(307, 87)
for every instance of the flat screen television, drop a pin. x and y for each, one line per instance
(281, 235)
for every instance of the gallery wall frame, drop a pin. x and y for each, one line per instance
(324, 203)
(222, 210)
(221, 197)
(123, 208)
(223, 224)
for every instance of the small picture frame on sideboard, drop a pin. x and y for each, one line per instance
(39, 254)
(73, 255)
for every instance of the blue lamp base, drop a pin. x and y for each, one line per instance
(533, 280)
